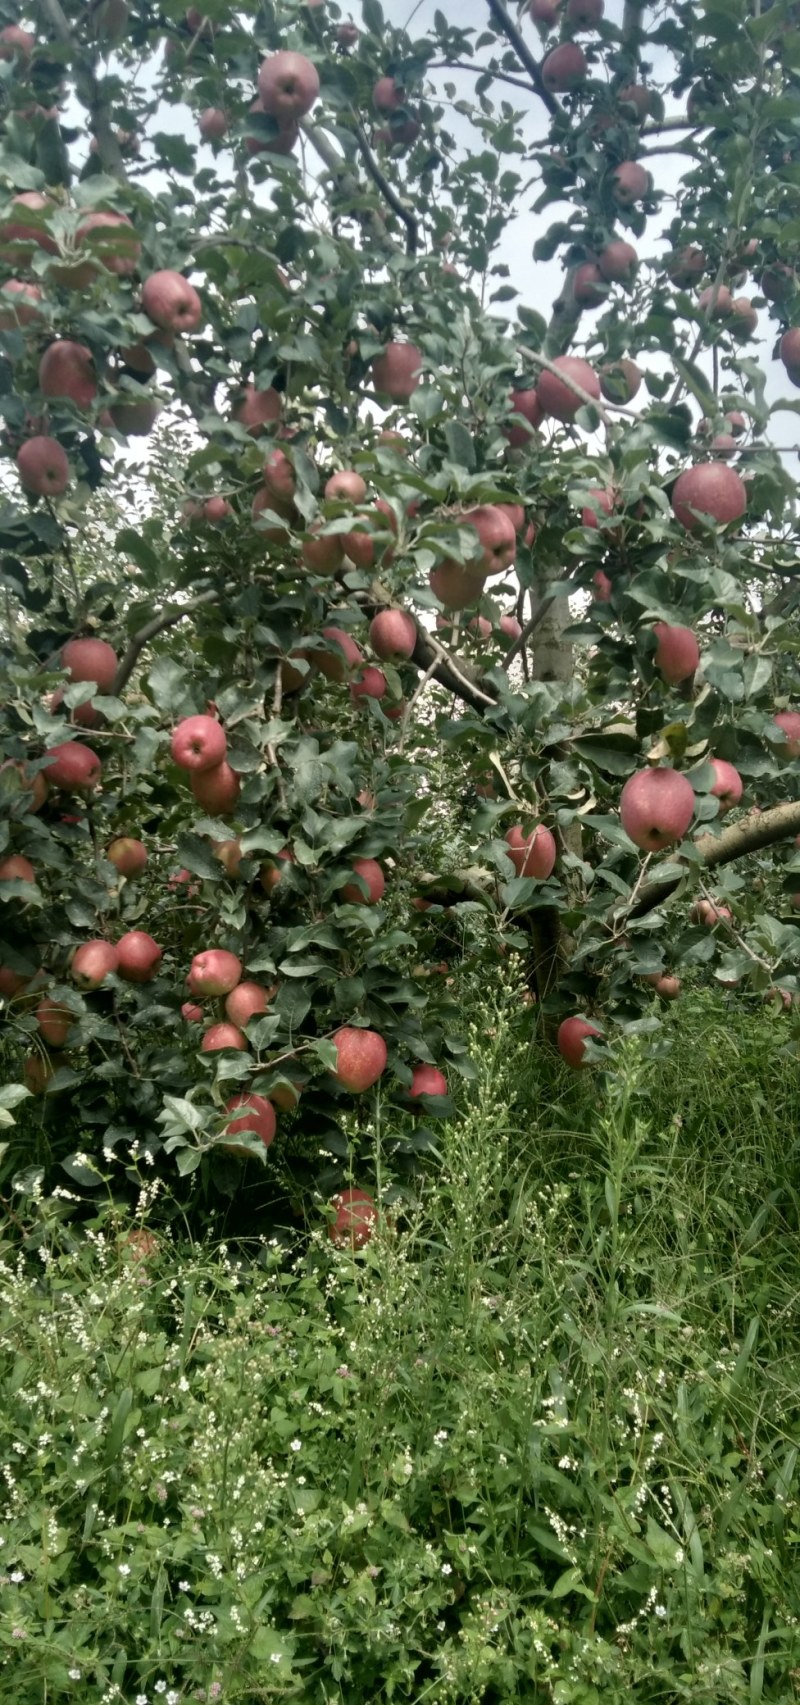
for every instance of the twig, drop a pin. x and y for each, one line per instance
(390, 195)
(477, 71)
(415, 697)
(167, 619)
(277, 701)
(523, 53)
(732, 930)
(530, 627)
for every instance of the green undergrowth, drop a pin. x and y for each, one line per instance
(537, 1442)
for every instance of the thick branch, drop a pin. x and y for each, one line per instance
(159, 624)
(89, 88)
(750, 834)
(523, 53)
(530, 627)
(390, 195)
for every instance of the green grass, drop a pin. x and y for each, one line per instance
(538, 1442)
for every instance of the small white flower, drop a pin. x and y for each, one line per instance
(124, 1568)
(447, 1569)
(296, 1444)
(274, 1657)
(141, 1699)
(173, 1697)
(161, 1687)
(183, 1586)
(16, 1576)
(74, 1674)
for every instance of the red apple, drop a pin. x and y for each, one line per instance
(677, 652)
(112, 239)
(427, 1080)
(43, 467)
(16, 868)
(37, 1072)
(347, 35)
(544, 12)
(279, 477)
(361, 1057)
(584, 14)
(516, 515)
(686, 266)
(668, 988)
(601, 500)
(91, 660)
(66, 371)
(54, 1021)
(396, 372)
(589, 288)
(323, 553)
(199, 743)
(620, 380)
(388, 95)
(709, 914)
(217, 789)
(360, 544)
(789, 350)
(393, 635)
(128, 855)
(16, 43)
(214, 972)
(171, 302)
(372, 875)
(497, 537)
(292, 678)
(743, 317)
(256, 409)
(221, 1036)
(565, 68)
(571, 1040)
(533, 854)
(710, 489)
(370, 684)
(558, 399)
(789, 721)
(347, 486)
(246, 1001)
(344, 655)
(254, 1115)
(527, 405)
(73, 767)
(510, 627)
(630, 183)
(139, 956)
(288, 86)
(603, 588)
(19, 304)
(229, 853)
(25, 229)
(728, 785)
(92, 962)
(213, 124)
(455, 585)
(617, 261)
(192, 1013)
(777, 282)
(639, 97)
(656, 808)
(270, 873)
(355, 1217)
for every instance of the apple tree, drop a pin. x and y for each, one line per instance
(345, 590)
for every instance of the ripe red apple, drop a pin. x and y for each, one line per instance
(19, 304)
(347, 35)
(270, 873)
(213, 124)
(171, 302)
(92, 962)
(91, 660)
(710, 489)
(255, 1115)
(73, 767)
(544, 12)
(139, 956)
(25, 230)
(371, 683)
(192, 1013)
(288, 85)
(393, 634)
(217, 789)
(743, 317)
(686, 266)
(728, 785)
(558, 399)
(11, 983)
(455, 585)
(516, 515)
(229, 853)
(361, 1057)
(723, 444)
(111, 237)
(777, 282)
(789, 351)
(716, 301)
(603, 588)
(83, 715)
(589, 288)
(372, 875)
(344, 655)
(601, 500)
(347, 486)
(564, 68)
(199, 743)
(709, 914)
(355, 1217)
(789, 721)
(66, 371)
(677, 652)
(43, 467)
(620, 380)
(427, 1080)
(617, 262)
(16, 43)
(360, 545)
(256, 409)
(510, 627)
(128, 855)
(630, 183)
(533, 854)
(396, 372)
(526, 404)
(668, 988)
(17, 868)
(323, 553)
(37, 1072)
(571, 1040)
(585, 14)
(214, 972)
(497, 537)
(387, 95)
(656, 808)
(279, 477)
(639, 97)
(480, 626)
(246, 1001)
(54, 1021)
(36, 785)
(221, 1036)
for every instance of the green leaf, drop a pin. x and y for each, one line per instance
(460, 445)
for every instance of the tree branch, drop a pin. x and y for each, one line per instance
(523, 53)
(750, 834)
(530, 627)
(390, 195)
(89, 89)
(167, 619)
